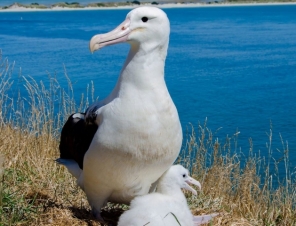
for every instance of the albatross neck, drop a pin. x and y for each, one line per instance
(170, 189)
(143, 68)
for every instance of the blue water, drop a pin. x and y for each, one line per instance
(235, 66)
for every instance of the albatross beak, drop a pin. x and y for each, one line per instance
(190, 180)
(118, 35)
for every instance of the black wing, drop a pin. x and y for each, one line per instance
(76, 138)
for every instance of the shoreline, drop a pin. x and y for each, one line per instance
(16, 8)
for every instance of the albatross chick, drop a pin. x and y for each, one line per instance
(167, 206)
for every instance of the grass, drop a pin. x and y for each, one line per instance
(240, 187)
(77, 5)
(68, 5)
(32, 5)
(258, 1)
(34, 190)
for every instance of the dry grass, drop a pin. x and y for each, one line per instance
(34, 190)
(241, 188)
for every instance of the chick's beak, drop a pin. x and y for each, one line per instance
(190, 180)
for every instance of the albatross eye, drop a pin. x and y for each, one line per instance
(144, 19)
(184, 175)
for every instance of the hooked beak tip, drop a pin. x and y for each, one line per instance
(118, 35)
(195, 182)
(91, 49)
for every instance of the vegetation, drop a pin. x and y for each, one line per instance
(96, 5)
(257, 1)
(68, 5)
(110, 4)
(135, 2)
(34, 190)
(32, 5)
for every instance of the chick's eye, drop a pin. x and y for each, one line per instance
(144, 19)
(184, 175)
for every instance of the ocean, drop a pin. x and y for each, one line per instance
(234, 66)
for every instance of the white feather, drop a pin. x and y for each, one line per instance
(139, 134)
(203, 219)
(166, 207)
(71, 165)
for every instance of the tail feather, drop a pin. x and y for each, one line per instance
(203, 219)
(71, 165)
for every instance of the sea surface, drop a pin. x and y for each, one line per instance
(234, 66)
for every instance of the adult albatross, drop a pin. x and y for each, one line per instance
(124, 143)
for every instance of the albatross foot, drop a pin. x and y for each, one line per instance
(97, 215)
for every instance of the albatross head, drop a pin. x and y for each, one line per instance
(146, 25)
(178, 176)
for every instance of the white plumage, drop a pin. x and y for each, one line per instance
(166, 207)
(139, 134)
